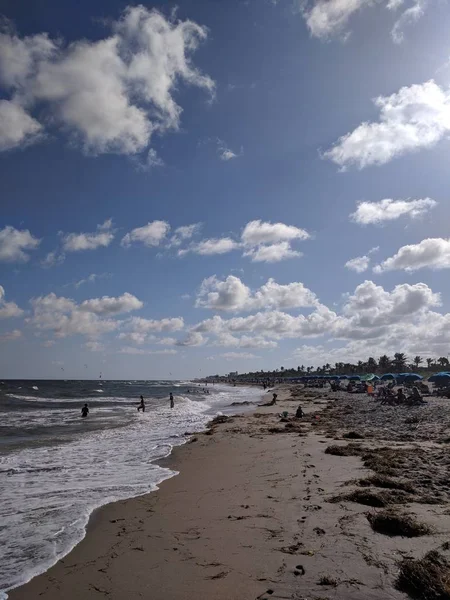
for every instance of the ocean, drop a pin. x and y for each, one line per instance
(56, 467)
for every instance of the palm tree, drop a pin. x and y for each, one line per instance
(429, 362)
(371, 365)
(399, 361)
(384, 363)
(443, 361)
(417, 361)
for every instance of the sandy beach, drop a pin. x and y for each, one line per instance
(267, 509)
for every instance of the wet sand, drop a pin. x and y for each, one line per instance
(259, 510)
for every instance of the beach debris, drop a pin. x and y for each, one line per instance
(220, 575)
(327, 580)
(353, 435)
(299, 570)
(375, 498)
(426, 578)
(319, 531)
(386, 482)
(349, 450)
(390, 522)
(293, 549)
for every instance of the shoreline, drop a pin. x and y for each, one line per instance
(164, 462)
(251, 515)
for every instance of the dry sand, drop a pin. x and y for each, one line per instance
(249, 515)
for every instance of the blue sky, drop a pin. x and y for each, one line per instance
(222, 186)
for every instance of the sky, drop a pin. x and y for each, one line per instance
(204, 187)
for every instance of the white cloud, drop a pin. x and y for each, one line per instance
(141, 325)
(211, 247)
(183, 233)
(150, 235)
(389, 210)
(110, 95)
(238, 356)
(10, 336)
(92, 278)
(8, 310)
(111, 306)
(14, 243)
(274, 324)
(413, 118)
(52, 259)
(135, 337)
(224, 152)
(17, 127)
(74, 242)
(329, 18)
(259, 232)
(233, 295)
(132, 350)
(153, 160)
(272, 253)
(358, 264)
(244, 341)
(193, 339)
(261, 241)
(433, 253)
(64, 318)
(410, 15)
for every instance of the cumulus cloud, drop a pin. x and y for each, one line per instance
(74, 242)
(110, 95)
(233, 295)
(272, 253)
(17, 128)
(150, 235)
(413, 118)
(211, 246)
(92, 318)
(10, 336)
(112, 306)
(258, 232)
(329, 18)
(261, 241)
(358, 264)
(14, 244)
(8, 310)
(433, 253)
(141, 325)
(389, 210)
(153, 160)
(193, 339)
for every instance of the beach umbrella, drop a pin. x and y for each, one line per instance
(376, 378)
(387, 376)
(343, 376)
(413, 377)
(440, 378)
(354, 378)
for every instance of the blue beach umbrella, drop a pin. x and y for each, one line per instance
(355, 378)
(413, 377)
(440, 378)
(387, 376)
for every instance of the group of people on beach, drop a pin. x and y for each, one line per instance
(141, 405)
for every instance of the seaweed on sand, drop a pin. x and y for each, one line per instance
(375, 498)
(382, 481)
(426, 578)
(390, 522)
(349, 450)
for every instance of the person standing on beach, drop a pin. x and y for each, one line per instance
(141, 405)
(172, 404)
(85, 411)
